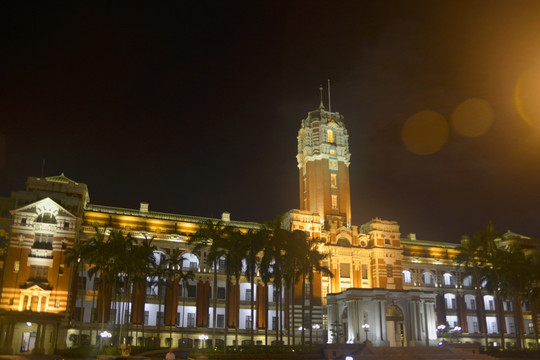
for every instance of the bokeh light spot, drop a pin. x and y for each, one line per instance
(472, 118)
(527, 96)
(425, 132)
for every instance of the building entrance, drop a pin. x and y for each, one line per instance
(28, 342)
(394, 326)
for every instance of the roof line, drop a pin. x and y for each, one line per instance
(165, 216)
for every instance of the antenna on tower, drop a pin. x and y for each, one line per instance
(329, 103)
(321, 105)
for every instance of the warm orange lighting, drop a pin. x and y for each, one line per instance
(527, 96)
(425, 132)
(472, 118)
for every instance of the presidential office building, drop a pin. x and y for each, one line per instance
(389, 289)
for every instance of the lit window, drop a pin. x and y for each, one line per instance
(407, 277)
(330, 135)
(334, 201)
(333, 180)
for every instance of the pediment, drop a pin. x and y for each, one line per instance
(43, 206)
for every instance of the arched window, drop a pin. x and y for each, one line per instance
(190, 261)
(467, 281)
(343, 242)
(470, 302)
(450, 300)
(407, 276)
(427, 278)
(448, 279)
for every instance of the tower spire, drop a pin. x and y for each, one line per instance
(321, 105)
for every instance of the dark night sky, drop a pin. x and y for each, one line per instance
(195, 108)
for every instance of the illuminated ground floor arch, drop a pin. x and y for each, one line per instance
(383, 317)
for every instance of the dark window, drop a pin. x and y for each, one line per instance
(221, 293)
(146, 316)
(220, 321)
(192, 290)
(39, 273)
(46, 218)
(82, 282)
(364, 271)
(159, 318)
(191, 320)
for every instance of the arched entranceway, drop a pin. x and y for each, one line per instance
(395, 331)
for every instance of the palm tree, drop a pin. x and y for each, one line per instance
(174, 274)
(235, 248)
(313, 265)
(142, 261)
(475, 255)
(75, 257)
(266, 273)
(210, 236)
(274, 267)
(255, 241)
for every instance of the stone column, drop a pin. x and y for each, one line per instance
(331, 308)
(43, 335)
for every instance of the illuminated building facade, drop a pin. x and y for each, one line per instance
(388, 289)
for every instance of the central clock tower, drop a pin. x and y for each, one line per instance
(323, 162)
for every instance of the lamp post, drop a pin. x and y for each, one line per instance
(366, 329)
(316, 327)
(104, 335)
(440, 330)
(203, 339)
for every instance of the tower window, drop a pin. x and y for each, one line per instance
(333, 180)
(330, 134)
(334, 202)
(389, 270)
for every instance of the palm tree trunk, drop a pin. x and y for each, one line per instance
(214, 298)
(237, 311)
(227, 301)
(302, 333)
(252, 304)
(266, 314)
(517, 321)
(311, 312)
(291, 313)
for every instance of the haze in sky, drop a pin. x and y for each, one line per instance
(194, 107)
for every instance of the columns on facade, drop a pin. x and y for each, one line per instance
(481, 314)
(462, 313)
(441, 309)
(431, 331)
(379, 330)
(352, 320)
(413, 308)
(331, 309)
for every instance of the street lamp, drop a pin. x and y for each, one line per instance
(203, 338)
(316, 327)
(366, 329)
(105, 335)
(440, 329)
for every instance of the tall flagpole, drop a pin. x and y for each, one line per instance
(329, 103)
